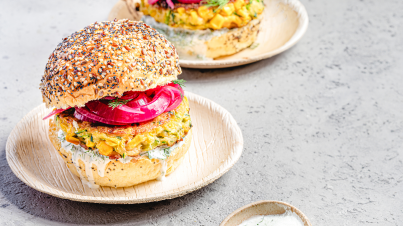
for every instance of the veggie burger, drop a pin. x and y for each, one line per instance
(120, 117)
(205, 29)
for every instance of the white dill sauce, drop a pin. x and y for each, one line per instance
(89, 158)
(192, 42)
(161, 177)
(286, 219)
(92, 157)
(162, 153)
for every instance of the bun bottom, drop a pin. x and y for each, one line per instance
(117, 174)
(233, 41)
(207, 44)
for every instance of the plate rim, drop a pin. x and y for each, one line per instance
(299, 33)
(296, 37)
(179, 191)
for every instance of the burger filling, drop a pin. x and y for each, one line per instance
(204, 15)
(127, 140)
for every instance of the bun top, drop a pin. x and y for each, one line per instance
(107, 59)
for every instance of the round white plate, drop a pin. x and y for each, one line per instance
(217, 145)
(283, 25)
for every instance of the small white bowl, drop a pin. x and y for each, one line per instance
(262, 208)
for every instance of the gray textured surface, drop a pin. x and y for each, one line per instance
(322, 122)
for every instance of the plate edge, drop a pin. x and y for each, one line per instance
(205, 181)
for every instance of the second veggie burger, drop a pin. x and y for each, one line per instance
(205, 29)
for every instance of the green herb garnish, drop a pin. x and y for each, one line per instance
(167, 151)
(219, 3)
(117, 103)
(254, 45)
(82, 133)
(173, 18)
(168, 17)
(179, 82)
(124, 155)
(261, 220)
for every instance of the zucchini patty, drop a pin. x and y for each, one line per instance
(236, 13)
(164, 130)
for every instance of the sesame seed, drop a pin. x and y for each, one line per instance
(105, 44)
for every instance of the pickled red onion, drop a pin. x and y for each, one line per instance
(171, 4)
(152, 2)
(129, 95)
(142, 99)
(101, 112)
(56, 111)
(142, 106)
(84, 114)
(176, 97)
(109, 98)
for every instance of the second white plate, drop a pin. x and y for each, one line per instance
(217, 145)
(283, 25)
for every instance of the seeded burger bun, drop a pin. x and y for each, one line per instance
(101, 60)
(108, 59)
(204, 29)
(233, 41)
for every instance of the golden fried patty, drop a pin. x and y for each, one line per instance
(130, 140)
(236, 13)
